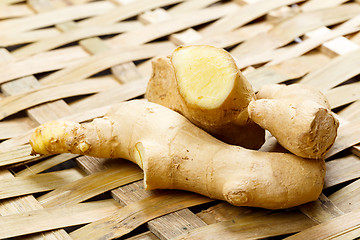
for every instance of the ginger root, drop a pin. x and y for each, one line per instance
(175, 154)
(204, 84)
(298, 117)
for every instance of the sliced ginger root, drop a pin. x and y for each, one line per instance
(175, 154)
(206, 77)
(298, 117)
(204, 84)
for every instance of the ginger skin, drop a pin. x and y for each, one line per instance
(204, 84)
(299, 117)
(175, 154)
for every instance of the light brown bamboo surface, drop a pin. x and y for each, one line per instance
(73, 59)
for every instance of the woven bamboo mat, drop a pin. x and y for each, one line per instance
(72, 59)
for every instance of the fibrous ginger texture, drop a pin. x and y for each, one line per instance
(204, 84)
(298, 117)
(175, 154)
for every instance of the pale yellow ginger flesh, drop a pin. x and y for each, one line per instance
(204, 84)
(299, 117)
(175, 154)
(205, 75)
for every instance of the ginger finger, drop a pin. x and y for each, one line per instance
(298, 117)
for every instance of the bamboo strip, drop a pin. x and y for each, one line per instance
(21, 154)
(333, 228)
(153, 16)
(291, 69)
(91, 186)
(321, 210)
(287, 31)
(45, 164)
(16, 205)
(57, 217)
(125, 11)
(319, 4)
(14, 104)
(15, 127)
(12, 11)
(8, 2)
(232, 38)
(356, 150)
(56, 16)
(94, 45)
(49, 111)
(352, 234)
(38, 6)
(144, 236)
(15, 143)
(164, 227)
(126, 72)
(176, 23)
(337, 71)
(348, 135)
(263, 57)
(244, 2)
(92, 165)
(282, 13)
(190, 6)
(334, 47)
(308, 44)
(44, 62)
(225, 212)
(128, 218)
(252, 227)
(345, 94)
(25, 204)
(245, 14)
(341, 170)
(348, 197)
(338, 46)
(356, 38)
(12, 39)
(173, 224)
(352, 112)
(37, 183)
(107, 59)
(121, 93)
(39, 114)
(72, 36)
(20, 86)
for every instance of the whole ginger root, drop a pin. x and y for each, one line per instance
(204, 84)
(175, 154)
(299, 117)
